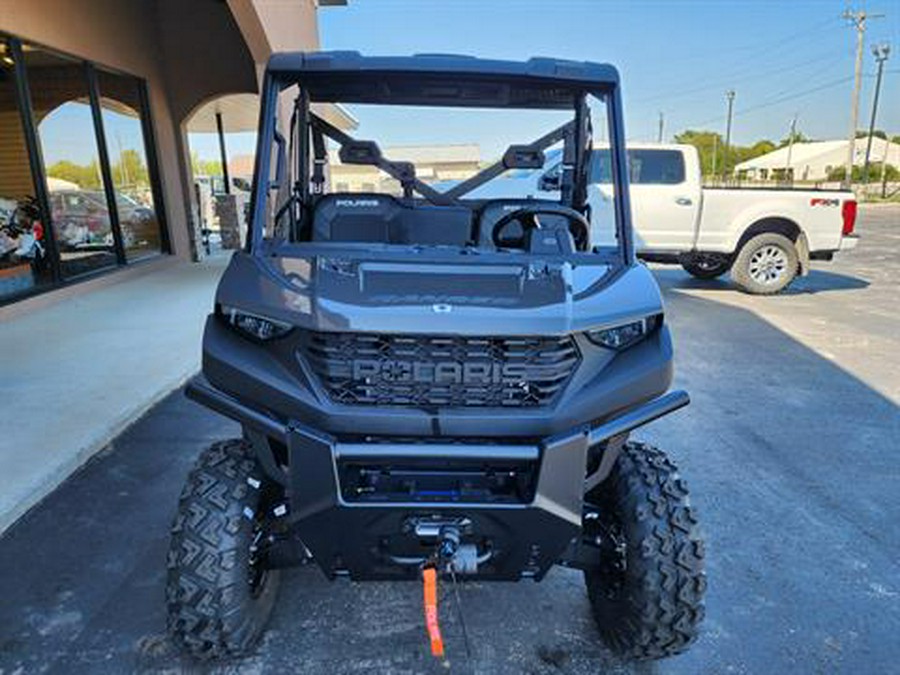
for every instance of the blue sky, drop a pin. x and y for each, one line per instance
(679, 58)
(67, 133)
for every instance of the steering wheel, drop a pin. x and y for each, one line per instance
(527, 217)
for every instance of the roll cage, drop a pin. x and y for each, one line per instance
(429, 80)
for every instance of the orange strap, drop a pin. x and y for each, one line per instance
(429, 577)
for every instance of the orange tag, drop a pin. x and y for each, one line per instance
(429, 577)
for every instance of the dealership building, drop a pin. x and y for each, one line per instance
(96, 102)
(104, 282)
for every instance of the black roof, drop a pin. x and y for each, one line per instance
(442, 79)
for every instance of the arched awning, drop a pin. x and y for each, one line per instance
(240, 112)
(234, 113)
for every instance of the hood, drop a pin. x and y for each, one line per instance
(362, 293)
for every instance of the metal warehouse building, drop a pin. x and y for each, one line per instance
(815, 160)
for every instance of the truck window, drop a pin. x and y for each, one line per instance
(655, 167)
(645, 167)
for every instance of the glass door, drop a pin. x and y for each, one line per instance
(65, 128)
(123, 124)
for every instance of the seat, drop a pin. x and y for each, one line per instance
(358, 217)
(433, 225)
(370, 217)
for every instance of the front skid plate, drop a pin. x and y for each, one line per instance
(369, 540)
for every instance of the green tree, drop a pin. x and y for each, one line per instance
(710, 143)
(84, 176)
(205, 167)
(878, 133)
(130, 170)
(707, 143)
(799, 137)
(742, 154)
(892, 173)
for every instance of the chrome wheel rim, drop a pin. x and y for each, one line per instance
(768, 265)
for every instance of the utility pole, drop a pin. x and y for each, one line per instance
(730, 96)
(661, 123)
(858, 21)
(715, 154)
(881, 53)
(787, 164)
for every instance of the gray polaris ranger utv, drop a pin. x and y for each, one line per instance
(433, 384)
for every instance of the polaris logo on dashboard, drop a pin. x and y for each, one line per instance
(357, 203)
(822, 201)
(438, 372)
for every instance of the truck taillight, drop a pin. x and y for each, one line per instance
(848, 213)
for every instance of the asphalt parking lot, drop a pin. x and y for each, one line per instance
(790, 448)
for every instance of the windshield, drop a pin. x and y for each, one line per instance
(436, 176)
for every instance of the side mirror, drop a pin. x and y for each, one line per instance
(550, 181)
(523, 157)
(360, 152)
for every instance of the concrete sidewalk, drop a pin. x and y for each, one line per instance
(78, 371)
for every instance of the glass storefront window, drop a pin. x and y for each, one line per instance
(24, 262)
(65, 127)
(78, 179)
(120, 103)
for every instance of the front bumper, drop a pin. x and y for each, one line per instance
(518, 506)
(275, 378)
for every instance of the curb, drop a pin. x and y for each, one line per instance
(58, 474)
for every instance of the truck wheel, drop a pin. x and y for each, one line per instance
(218, 597)
(706, 267)
(647, 595)
(766, 264)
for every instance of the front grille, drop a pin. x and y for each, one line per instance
(437, 370)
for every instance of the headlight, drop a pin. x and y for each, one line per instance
(625, 335)
(253, 325)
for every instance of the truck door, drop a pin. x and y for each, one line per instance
(665, 199)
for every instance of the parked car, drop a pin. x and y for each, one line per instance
(82, 219)
(764, 236)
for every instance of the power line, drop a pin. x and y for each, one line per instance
(771, 48)
(811, 81)
(790, 97)
(756, 74)
(774, 101)
(770, 45)
(785, 39)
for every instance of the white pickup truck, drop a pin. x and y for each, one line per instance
(764, 236)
